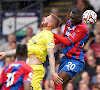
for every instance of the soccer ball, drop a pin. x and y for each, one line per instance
(89, 17)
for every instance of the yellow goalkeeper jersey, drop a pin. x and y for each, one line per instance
(39, 43)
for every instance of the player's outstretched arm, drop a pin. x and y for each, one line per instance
(54, 76)
(7, 53)
(27, 86)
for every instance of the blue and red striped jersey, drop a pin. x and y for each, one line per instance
(15, 74)
(77, 35)
(73, 40)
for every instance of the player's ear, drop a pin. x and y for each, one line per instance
(49, 24)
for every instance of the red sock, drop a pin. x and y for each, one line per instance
(58, 87)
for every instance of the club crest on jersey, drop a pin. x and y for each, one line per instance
(68, 28)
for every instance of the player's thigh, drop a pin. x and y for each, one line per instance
(65, 76)
(38, 76)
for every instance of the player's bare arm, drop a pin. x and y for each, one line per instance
(51, 59)
(54, 76)
(7, 53)
(27, 86)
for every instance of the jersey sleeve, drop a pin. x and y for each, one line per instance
(2, 77)
(28, 75)
(78, 35)
(57, 41)
(49, 40)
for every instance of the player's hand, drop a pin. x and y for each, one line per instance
(56, 79)
(2, 55)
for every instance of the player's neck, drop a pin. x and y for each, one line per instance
(21, 59)
(47, 28)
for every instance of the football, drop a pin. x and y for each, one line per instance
(89, 17)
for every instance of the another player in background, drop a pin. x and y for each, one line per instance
(73, 38)
(38, 47)
(17, 75)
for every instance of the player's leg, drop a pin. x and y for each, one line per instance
(62, 71)
(68, 68)
(65, 76)
(38, 76)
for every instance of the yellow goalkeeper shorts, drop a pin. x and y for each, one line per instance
(38, 76)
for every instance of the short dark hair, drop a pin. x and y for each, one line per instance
(21, 50)
(57, 20)
(77, 11)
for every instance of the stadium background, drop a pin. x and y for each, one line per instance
(22, 18)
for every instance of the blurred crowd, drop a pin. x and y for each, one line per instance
(89, 77)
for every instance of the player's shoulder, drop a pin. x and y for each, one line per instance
(82, 26)
(48, 33)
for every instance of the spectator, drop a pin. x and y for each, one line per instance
(95, 87)
(87, 5)
(69, 86)
(96, 46)
(85, 76)
(98, 79)
(95, 4)
(13, 45)
(90, 66)
(7, 60)
(7, 46)
(81, 82)
(97, 28)
(55, 11)
(90, 31)
(13, 58)
(77, 79)
(90, 35)
(88, 53)
(94, 80)
(84, 87)
(29, 34)
(49, 84)
(88, 43)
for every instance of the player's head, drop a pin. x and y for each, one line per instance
(51, 21)
(76, 16)
(21, 52)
